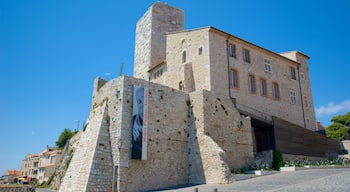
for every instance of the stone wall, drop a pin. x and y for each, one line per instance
(305, 81)
(167, 150)
(195, 72)
(213, 159)
(150, 41)
(210, 71)
(195, 138)
(345, 146)
(61, 169)
(257, 104)
(224, 137)
(105, 144)
(14, 189)
(90, 166)
(142, 57)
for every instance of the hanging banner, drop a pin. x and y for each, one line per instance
(139, 123)
(145, 125)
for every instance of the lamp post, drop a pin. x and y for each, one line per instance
(77, 125)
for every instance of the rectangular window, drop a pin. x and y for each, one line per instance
(232, 50)
(293, 97)
(246, 56)
(200, 51)
(263, 89)
(292, 73)
(234, 78)
(267, 64)
(276, 91)
(251, 79)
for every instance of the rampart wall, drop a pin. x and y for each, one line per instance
(192, 138)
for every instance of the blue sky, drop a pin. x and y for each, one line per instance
(52, 50)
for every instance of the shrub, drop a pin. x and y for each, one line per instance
(277, 160)
(84, 128)
(64, 137)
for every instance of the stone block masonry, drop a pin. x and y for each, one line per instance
(182, 146)
(110, 119)
(90, 167)
(224, 136)
(167, 155)
(150, 40)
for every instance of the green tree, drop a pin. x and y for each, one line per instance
(340, 127)
(337, 131)
(342, 119)
(64, 137)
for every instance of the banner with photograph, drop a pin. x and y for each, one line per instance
(139, 123)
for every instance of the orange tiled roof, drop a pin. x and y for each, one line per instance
(13, 172)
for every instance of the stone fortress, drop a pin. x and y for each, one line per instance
(212, 103)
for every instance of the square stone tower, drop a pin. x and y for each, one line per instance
(150, 41)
